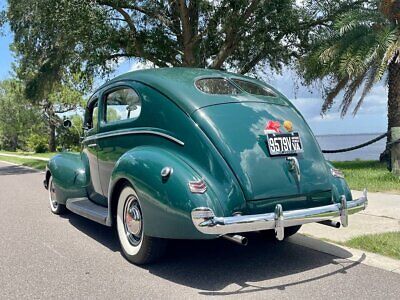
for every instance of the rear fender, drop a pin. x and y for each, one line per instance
(339, 186)
(166, 204)
(69, 174)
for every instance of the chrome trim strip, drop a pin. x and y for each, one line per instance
(119, 133)
(206, 222)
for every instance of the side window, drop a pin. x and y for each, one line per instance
(121, 105)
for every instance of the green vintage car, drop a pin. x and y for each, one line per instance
(184, 153)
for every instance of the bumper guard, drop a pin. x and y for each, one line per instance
(206, 222)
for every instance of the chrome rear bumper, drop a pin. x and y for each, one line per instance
(206, 222)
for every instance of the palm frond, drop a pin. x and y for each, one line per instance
(362, 17)
(332, 93)
(351, 90)
(388, 41)
(369, 83)
(356, 52)
(393, 49)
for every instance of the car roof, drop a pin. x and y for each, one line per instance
(178, 84)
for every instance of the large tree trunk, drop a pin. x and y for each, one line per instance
(52, 138)
(394, 115)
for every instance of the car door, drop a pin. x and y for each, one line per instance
(89, 150)
(120, 109)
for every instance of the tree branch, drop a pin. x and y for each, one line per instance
(250, 64)
(131, 25)
(232, 36)
(124, 5)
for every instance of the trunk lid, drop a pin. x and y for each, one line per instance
(237, 131)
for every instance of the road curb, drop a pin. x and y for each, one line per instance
(355, 255)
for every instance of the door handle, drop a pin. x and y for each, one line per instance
(92, 145)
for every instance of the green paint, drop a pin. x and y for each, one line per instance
(223, 143)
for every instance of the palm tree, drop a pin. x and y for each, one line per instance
(359, 50)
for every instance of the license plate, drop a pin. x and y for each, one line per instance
(284, 143)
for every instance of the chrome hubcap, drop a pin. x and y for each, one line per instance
(133, 220)
(53, 201)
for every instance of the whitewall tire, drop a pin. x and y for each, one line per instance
(136, 246)
(55, 207)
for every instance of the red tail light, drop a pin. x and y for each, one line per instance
(198, 186)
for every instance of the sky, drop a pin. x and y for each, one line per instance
(370, 119)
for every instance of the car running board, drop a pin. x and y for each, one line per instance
(88, 209)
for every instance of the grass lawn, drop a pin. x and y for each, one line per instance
(33, 163)
(42, 155)
(29, 162)
(387, 244)
(371, 174)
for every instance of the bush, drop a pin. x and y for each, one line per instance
(37, 143)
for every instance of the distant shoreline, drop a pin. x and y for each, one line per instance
(348, 134)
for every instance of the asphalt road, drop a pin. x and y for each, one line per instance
(46, 256)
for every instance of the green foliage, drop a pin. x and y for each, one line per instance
(69, 138)
(25, 125)
(3, 19)
(37, 143)
(18, 117)
(353, 54)
(55, 39)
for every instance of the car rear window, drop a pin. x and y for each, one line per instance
(253, 88)
(216, 86)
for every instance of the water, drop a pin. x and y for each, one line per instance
(332, 142)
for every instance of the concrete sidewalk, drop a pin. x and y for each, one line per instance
(381, 215)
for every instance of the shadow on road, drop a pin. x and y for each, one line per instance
(15, 170)
(102, 234)
(213, 265)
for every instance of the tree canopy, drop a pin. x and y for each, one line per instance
(18, 118)
(87, 37)
(61, 45)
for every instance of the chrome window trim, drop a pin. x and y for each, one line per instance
(151, 132)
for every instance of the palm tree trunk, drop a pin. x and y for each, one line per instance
(394, 114)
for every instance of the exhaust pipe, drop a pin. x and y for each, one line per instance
(238, 239)
(331, 223)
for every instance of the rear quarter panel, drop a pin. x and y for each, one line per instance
(166, 204)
